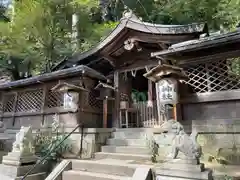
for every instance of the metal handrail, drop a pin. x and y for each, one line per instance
(57, 146)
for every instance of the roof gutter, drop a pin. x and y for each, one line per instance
(70, 72)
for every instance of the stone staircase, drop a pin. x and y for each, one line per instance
(116, 160)
(126, 144)
(105, 170)
(123, 158)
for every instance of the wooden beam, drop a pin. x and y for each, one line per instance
(214, 57)
(168, 39)
(110, 59)
(139, 65)
(117, 43)
(211, 97)
(94, 61)
(163, 46)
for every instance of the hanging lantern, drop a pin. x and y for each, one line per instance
(106, 91)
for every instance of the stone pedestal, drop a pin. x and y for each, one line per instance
(15, 165)
(19, 159)
(180, 169)
(22, 159)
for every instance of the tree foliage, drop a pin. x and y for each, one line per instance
(41, 33)
(217, 13)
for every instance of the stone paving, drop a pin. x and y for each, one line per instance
(218, 169)
(221, 170)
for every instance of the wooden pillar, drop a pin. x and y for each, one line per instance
(80, 107)
(175, 112)
(14, 107)
(178, 112)
(117, 101)
(158, 104)
(150, 92)
(44, 99)
(105, 112)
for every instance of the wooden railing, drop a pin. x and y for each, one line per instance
(148, 115)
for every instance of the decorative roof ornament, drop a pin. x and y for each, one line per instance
(129, 44)
(129, 14)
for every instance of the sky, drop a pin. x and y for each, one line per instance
(5, 2)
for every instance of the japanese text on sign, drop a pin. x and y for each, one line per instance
(70, 100)
(167, 92)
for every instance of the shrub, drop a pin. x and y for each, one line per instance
(48, 139)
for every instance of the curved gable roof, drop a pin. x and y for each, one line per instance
(135, 24)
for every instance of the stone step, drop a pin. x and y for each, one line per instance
(84, 175)
(126, 149)
(139, 130)
(172, 178)
(134, 130)
(206, 175)
(134, 157)
(110, 167)
(127, 142)
(129, 135)
(181, 167)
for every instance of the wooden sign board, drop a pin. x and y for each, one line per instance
(71, 100)
(167, 91)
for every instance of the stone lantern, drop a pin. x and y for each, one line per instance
(166, 78)
(106, 94)
(70, 93)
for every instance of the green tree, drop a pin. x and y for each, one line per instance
(217, 13)
(41, 34)
(29, 41)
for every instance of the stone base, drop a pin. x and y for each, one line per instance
(38, 176)
(182, 167)
(179, 169)
(17, 159)
(16, 171)
(184, 161)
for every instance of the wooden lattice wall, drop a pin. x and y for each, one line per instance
(36, 100)
(36, 105)
(54, 99)
(29, 101)
(93, 100)
(213, 76)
